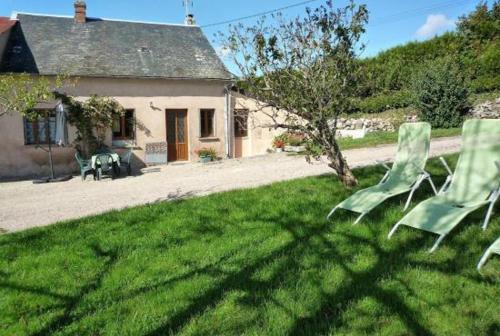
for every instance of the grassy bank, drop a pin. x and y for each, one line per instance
(382, 138)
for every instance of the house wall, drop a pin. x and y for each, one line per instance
(148, 97)
(260, 133)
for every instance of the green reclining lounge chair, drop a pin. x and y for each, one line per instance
(494, 248)
(475, 183)
(406, 174)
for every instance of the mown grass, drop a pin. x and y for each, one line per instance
(251, 262)
(383, 138)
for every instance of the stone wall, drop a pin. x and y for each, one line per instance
(372, 125)
(487, 110)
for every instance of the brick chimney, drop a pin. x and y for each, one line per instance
(80, 11)
(189, 21)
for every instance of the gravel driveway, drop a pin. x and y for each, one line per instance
(25, 205)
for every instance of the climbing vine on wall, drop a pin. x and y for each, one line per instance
(92, 119)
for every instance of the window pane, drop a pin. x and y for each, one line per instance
(29, 132)
(203, 123)
(124, 126)
(129, 124)
(207, 123)
(240, 123)
(181, 120)
(35, 131)
(171, 127)
(210, 123)
(116, 126)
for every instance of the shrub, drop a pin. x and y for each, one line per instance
(384, 101)
(279, 141)
(295, 139)
(441, 94)
(207, 152)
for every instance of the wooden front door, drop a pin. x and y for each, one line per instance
(177, 135)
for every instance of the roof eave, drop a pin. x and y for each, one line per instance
(226, 79)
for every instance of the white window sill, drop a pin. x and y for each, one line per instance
(123, 143)
(209, 139)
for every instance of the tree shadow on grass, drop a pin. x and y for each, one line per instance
(70, 303)
(304, 242)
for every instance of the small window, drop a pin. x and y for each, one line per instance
(124, 126)
(207, 123)
(240, 123)
(35, 132)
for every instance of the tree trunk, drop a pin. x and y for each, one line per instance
(339, 164)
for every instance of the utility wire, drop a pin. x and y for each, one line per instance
(417, 11)
(258, 14)
(377, 21)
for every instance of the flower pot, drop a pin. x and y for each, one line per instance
(278, 150)
(295, 149)
(205, 159)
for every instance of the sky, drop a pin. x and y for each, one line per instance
(392, 22)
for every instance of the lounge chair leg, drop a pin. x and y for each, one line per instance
(488, 216)
(436, 244)
(408, 201)
(359, 218)
(413, 189)
(432, 185)
(394, 228)
(490, 210)
(331, 213)
(483, 260)
(445, 185)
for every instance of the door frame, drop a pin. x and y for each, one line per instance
(239, 139)
(186, 131)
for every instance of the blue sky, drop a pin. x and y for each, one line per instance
(392, 22)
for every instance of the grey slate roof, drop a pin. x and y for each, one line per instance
(49, 45)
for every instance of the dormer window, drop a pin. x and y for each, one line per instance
(17, 49)
(144, 50)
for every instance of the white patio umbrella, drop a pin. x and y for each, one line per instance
(61, 125)
(61, 133)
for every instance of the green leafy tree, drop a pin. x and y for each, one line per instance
(441, 94)
(305, 71)
(20, 93)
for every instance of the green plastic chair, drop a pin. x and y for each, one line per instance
(85, 166)
(406, 175)
(494, 248)
(475, 183)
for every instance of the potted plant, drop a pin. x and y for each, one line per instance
(279, 142)
(295, 143)
(206, 154)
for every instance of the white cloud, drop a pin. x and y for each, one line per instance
(435, 24)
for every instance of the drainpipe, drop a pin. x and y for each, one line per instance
(227, 112)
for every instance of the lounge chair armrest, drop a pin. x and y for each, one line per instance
(383, 164)
(443, 162)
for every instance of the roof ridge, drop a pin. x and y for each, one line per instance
(14, 16)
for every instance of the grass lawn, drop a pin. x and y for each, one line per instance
(258, 262)
(382, 138)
